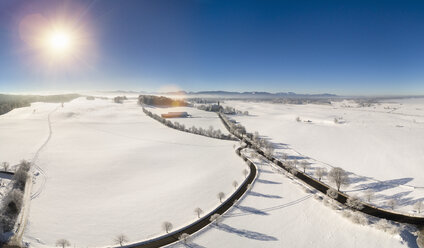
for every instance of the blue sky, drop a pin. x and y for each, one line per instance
(342, 47)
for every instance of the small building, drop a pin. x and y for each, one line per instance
(175, 115)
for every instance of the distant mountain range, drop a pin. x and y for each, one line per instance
(248, 94)
(230, 94)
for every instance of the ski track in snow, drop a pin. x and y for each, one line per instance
(35, 158)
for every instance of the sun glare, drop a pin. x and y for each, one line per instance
(59, 42)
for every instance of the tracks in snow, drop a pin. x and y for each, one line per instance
(42, 173)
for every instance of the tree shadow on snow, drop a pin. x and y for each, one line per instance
(266, 181)
(409, 238)
(265, 171)
(251, 210)
(385, 185)
(194, 245)
(245, 233)
(253, 193)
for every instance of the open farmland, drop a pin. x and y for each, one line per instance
(109, 169)
(380, 145)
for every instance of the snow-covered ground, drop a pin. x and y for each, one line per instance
(380, 145)
(198, 118)
(277, 212)
(110, 169)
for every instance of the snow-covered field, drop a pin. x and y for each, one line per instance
(198, 118)
(109, 169)
(380, 145)
(277, 212)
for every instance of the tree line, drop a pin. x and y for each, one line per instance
(161, 101)
(10, 102)
(211, 132)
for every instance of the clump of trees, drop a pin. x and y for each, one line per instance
(354, 203)
(210, 132)
(161, 101)
(13, 199)
(216, 218)
(119, 99)
(388, 227)
(218, 108)
(184, 238)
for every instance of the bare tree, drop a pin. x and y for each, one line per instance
(5, 166)
(339, 177)
(63, 243)
(369, 195)
(221, 196)
(167, 226)
(198, 211)
(354, 203)
(418, 206)
(304, 165)
(298, 119)
(216, 218)
(235, 184)
(245, 173)
(320, 173)
(121, 239)
(185, 238)
(392, 203)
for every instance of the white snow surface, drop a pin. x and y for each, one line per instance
(381, 146)
(277, 212)
(110, 169)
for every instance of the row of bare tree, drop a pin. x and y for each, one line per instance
(211, 132)
(13, 199)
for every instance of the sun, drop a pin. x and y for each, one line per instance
(59, 42)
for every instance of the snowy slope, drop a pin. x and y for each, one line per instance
(109, 169)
